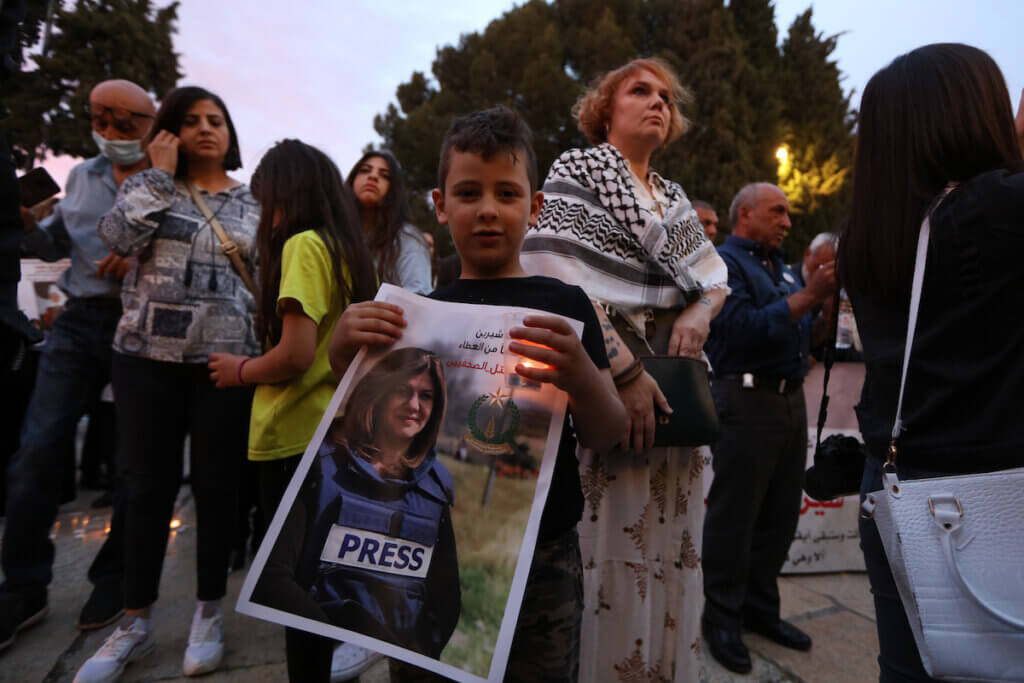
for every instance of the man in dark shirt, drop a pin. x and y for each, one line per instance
(758, 348)
(708, 218)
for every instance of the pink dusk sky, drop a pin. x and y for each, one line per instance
(320, 70)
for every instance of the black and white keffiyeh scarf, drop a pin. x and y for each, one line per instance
(594, 233)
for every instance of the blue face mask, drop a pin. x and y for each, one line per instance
(120, 152)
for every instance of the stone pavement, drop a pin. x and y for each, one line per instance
(835, 609)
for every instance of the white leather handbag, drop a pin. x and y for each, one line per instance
(956, 549)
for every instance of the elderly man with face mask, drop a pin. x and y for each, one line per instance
(74, 365)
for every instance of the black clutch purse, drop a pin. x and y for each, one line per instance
(684, 381)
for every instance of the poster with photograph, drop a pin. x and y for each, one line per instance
(39, 297)
(410, 524)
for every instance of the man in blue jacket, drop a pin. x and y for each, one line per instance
(758, 347)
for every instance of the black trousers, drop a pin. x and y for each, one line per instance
(157, 404)
(308, 654)
(754, 502)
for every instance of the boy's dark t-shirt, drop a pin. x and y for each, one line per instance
(564, 506)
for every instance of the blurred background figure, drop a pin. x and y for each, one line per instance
(708, 218)
(399, 249)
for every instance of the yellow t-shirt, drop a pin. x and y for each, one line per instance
(285, 415)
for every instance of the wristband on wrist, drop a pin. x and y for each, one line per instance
(632, 371)
(240, 366)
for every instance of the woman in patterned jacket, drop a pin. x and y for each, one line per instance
(184, 300)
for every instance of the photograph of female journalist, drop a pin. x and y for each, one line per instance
(377, 547)
(410, 524)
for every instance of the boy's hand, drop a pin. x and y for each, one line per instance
(368, 322)
(569, 367)
(224, 369)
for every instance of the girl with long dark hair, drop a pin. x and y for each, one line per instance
(399, 250)
(936, 119)
(313, 264)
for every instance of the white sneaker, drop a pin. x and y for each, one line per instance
(351, 660)
(205, 644)
(119, 649)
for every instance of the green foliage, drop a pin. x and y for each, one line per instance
(92, 41)
(720, 152)
(818, 134)
(750, 96)
(488, 540)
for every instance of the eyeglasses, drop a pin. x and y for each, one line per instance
(121, 119)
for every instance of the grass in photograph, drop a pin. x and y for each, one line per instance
(488, 540)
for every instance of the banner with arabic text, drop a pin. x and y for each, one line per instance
(827, 538)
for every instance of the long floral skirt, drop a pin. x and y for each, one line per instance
(643, 586)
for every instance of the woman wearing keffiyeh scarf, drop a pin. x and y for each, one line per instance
(634, 243)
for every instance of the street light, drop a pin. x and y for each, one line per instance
(782, 154)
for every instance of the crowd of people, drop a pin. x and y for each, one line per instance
(227, 312)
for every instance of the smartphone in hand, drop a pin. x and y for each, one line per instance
(36, 186)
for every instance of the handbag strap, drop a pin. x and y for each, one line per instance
(227, 245)
(920, 260)
(829, 360)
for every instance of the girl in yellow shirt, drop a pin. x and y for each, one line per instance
(313, 262)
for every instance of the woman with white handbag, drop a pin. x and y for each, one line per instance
(939, 182)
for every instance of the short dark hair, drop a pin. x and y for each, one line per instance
(936, 115)
(701, 204)
(488, 132)
(173, 109)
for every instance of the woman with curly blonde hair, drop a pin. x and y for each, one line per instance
(633, 241)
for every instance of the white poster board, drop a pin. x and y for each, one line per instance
(827, 538)
(496, 442)
(38, 291)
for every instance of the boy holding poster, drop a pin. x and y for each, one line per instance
(487, 193)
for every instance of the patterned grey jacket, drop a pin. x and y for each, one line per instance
(183, 300)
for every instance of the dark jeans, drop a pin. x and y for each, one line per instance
(754, 501)
(898, 658)
(157, 404)
(73, 369)
(308, 654)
